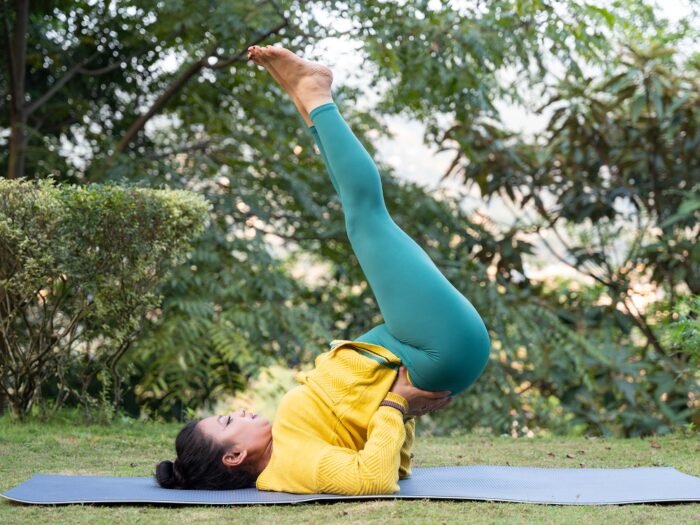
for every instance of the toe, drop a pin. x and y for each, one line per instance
(258, 53)
(279, 52)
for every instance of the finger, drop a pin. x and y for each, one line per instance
(441, 403)
(402, 371)
(437, 395)
(444, 404)
(432, 394)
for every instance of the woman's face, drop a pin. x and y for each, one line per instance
(244, 431)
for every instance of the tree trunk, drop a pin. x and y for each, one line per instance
(16, 64)
(18, 146)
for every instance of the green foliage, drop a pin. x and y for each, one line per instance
(562, 365)
(97, 74)
(631, 140)
(611, 184)
(612, 179)
(93, 67)
(462, 59)
(562, 360)
(682, 330)
(230, 312)
(78, 268)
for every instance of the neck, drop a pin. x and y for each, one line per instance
(264, 458)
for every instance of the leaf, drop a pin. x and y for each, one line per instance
(685, 210)
(638, 104)
(656, 98)
(607, 15)
(628, 390)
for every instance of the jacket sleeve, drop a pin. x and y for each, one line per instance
(405, 465)
(375, 468)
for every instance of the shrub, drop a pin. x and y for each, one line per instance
(78, 270)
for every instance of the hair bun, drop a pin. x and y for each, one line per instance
(169, 476)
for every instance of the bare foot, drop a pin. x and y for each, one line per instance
(263, 60)
(308, 83)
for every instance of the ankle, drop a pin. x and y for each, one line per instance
(312, 104)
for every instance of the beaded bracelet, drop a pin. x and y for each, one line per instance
(393, 404)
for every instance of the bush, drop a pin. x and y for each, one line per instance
(78, 270)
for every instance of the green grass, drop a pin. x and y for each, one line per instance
(132, 449)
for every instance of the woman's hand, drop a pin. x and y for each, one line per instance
(419, 401)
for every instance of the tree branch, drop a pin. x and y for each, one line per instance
(106, 69)
(69, 74)
(550, 225)
(332, 234)
(581, 269)
(160, 102)
(227, 61)
(641, 231)
(641, 323)
(197, 146)
(337, 234)
(192, 70)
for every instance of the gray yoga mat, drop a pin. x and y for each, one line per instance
(581, 486)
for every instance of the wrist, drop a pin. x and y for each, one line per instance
(396, 401)
(397, 398)
(395, 405)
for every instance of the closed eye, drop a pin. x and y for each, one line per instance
(229, 420)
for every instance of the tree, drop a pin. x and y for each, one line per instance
(613, 178)
(205, 120)
(92, 72)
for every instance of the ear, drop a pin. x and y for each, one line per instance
(234, 457)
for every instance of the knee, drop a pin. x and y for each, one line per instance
(477, 349)
(457, 369)
(478, 352)
(365, 217)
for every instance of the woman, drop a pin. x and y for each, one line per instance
(348, 427)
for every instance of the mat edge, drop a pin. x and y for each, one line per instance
(354, 498)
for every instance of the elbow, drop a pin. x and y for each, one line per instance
(392, 486)
(389, 485)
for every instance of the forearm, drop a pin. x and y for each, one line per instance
(375, 468)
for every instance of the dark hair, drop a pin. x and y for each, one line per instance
(199, 466)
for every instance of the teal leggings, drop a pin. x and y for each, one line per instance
(428, 323)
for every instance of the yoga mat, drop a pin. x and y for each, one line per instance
(581, 486)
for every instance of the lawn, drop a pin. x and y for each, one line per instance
(132, 448)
